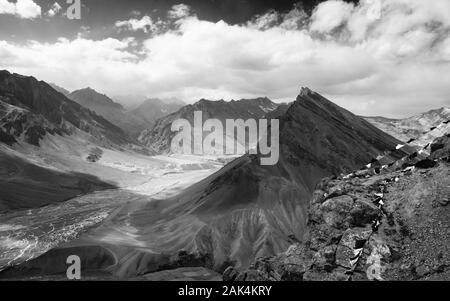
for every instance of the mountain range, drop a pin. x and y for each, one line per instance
(132, 122)
(54, 147)
(159, 137)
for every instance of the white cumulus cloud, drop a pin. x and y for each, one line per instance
(145, 24)
(25, 9)
(179, 11)
(330, 14)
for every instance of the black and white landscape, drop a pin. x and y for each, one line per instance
(89, 95)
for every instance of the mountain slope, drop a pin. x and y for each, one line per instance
(34, 107)
(26, 185)
(160, 136)
(414, 127)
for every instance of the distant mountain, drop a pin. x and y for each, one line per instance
(172, 100)
(134, 121)
(91, 99)
(131, 102)
(160, 136)
(416, 127)
(153, 109)
(110, 110)
(59, 89)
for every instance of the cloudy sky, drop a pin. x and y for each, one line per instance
(374, 57)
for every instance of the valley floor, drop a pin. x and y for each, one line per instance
(101, 217)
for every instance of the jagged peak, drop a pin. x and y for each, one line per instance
(87, 89)
(305, 91)
(91, 91)
(82, 96)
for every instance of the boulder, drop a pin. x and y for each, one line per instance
(324, 259)
(351, 243)
(363, 213)
(335, 211)
(440, 148)
(230, 274)
(337, 190)
(323, 235)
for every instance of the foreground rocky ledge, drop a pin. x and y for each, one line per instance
(389, 226)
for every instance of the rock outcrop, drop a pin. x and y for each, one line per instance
(440, 148)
